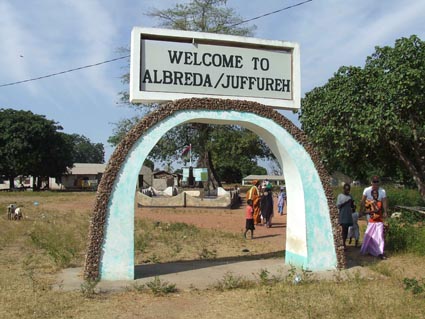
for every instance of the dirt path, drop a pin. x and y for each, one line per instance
(202, 274)
(229, 220)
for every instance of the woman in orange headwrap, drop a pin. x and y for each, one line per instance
(254, 195)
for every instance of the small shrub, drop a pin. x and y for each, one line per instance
(264, 277)
(154, 259)
(205, 253)
(139, 287)
(292, 272)
(230, 282)
(296, 276)
(88, 288)
(160, 288)
(413, 285)
(306, 275)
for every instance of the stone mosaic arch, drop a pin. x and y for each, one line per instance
(313, 239)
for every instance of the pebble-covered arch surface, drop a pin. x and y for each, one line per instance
(106, 186)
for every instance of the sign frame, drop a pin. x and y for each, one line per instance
(138, 34)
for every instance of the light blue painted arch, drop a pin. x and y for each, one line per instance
(309, 242)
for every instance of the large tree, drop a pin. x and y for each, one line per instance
(84, 151)
(234, 152)
(204, 16)
(32, 145)
(373, 118)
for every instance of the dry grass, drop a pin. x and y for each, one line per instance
(166, 242)
(27, 272)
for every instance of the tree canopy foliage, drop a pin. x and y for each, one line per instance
(372, 119)
(32, 145)
(84, 151)
(212, 145)
(203, 15)
(233, 150)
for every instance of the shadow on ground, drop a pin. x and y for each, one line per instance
(159, 269)
(355, 258)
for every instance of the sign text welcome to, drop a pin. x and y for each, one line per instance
(169, 64)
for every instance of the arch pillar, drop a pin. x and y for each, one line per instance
(312, 217)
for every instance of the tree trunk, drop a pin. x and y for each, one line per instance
(212, 169)
(418, 175)
(11, 182)
(205, 156)
(205, 161)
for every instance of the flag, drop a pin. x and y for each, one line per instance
(186, 150)
(187, 154)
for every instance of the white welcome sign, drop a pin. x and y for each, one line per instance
(169, 64)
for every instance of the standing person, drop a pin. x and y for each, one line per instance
(345, 204)
(254, 195)
(374, 201)
(354, 231)
(281, 201)
(267, 205)
(249, 215)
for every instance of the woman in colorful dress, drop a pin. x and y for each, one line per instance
(373, 242)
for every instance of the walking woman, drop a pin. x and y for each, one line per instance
(345, 204)
(374, 202)
(254, 195)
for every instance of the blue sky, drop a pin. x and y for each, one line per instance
(40, 37)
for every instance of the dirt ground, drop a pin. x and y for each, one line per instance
(244, 257)
(229, 220)
(27, 272)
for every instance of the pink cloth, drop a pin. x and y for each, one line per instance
(373, 242)
(249, 212)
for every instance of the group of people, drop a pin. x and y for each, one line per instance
(374, 206)
(259, 210)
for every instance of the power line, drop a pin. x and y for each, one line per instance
(270, 13)
(124, 57)
(67, 71)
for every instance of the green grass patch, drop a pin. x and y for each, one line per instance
(63, 245)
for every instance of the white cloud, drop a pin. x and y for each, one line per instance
(56, 35)
(15, 44)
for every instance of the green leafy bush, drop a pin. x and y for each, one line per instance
(406, 234)
(396, 196)
(403, 197)
(414, 285)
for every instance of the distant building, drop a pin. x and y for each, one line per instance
(82, 176)
(164, 179)
(274, 179)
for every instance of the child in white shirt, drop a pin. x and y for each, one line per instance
(354, 231)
